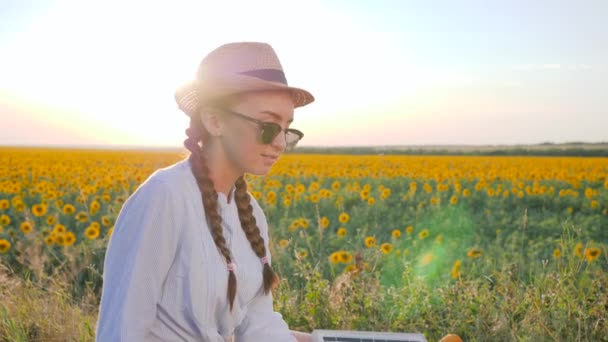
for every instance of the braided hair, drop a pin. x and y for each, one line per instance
(197, 133)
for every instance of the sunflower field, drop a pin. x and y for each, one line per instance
(490, 248)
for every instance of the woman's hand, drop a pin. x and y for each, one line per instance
(302, 336)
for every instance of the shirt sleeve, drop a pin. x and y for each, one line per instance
(139, 254)
(261, 322)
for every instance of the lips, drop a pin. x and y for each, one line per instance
(270, 157)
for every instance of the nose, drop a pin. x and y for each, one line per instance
(280, 141)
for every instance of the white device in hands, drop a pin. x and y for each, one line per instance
(320, 335)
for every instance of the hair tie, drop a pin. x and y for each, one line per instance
(265, 259)
(231, 267)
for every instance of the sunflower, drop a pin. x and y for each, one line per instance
(304, 223)
(334, 258)
(95, 206)
(396, 233)
(69, 209)
(294, 226)
(386, 248)
(350, 268)
(271, 195)
(370, 242)
(454, 200)
(301, 254)
(39, 210)
(324, 222)
(59, 238)
(70, 238)
(344, 218)
(578, 250)
(4, 204)
(423, 234)
(289, 188)
(385, 193)
(341, 232)
(594, 204)
(300, 188)
(456, 269)
(26, 227)
(335, 186)
(324, 193)
(5, 245)
(409, 230)
(91, 233)
(49, 240)
(592, 253)
(371, 201)
(557, 253)
(283, 243)
(105, 221)
(474, 253)
(59, 228)
(345, 257)
(314, 198)
(51, 220)
(5, 220)
(82, 216)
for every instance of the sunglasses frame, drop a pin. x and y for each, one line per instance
(265, 124)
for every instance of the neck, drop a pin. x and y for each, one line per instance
(221, 171)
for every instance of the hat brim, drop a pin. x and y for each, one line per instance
(191, 95)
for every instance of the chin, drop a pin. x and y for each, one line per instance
(259, 171)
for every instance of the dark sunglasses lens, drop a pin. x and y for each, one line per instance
(269, 132)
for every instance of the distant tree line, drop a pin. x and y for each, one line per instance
(516, 151)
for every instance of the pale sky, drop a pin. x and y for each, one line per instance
(383, 72)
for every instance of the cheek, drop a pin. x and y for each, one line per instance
(244, 150)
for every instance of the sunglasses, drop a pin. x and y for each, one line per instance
(270, 130)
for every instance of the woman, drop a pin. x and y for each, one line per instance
(188, 259)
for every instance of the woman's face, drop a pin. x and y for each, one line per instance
(241, 138)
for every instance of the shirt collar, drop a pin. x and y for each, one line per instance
(226, 199)
(231, 193)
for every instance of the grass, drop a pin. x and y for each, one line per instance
(502, 299)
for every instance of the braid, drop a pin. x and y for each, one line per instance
(243, 202)
(196, 132)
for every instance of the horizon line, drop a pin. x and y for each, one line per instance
(177, 147)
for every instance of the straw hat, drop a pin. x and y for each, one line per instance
(234, 68)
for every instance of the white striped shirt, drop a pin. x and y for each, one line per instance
(165, 280)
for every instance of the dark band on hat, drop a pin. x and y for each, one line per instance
(272, 75)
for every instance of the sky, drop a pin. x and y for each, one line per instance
(382, 72)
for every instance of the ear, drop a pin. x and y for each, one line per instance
(212, 121)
